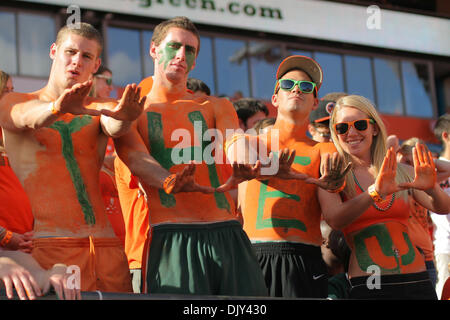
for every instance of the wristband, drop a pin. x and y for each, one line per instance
(6, 239)
(169, 183)
(338, 190)
(374, 194)
(53, 109)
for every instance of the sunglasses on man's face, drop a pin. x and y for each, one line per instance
(360, 125)
(107, 79)
(304, 86)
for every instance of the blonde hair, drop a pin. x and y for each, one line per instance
(407, 146)
(379, 146)
(4, 77)
(84, 30)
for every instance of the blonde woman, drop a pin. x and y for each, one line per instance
(372, 210)
(6, 84)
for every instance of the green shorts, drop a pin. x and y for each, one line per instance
(205, 259)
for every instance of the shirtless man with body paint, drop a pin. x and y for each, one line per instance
(197, 244)
(56, 139)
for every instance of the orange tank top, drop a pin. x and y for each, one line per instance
(381, 238)
(15, 208)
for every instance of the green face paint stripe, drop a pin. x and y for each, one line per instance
(262, 223)
(65, 130)
(163, 155)
(386, 244)
(170, 51)
(221, 200)
(408, 257)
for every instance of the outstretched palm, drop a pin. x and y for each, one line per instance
(73, 100)
(385, 183)
(332, 171)
(130, 105)
(424, 169)
(185, 181)
(241, 173)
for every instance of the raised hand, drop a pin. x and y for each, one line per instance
(385, 183)
(241, 173)
(130, 106)
(332, 171)
(73, 100)
(184, 181)
(424, 169)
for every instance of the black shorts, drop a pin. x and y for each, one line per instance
(414, 286)
(293, 270)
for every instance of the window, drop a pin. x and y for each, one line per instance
(124, 52)
(8, 58)
(232, 67)
(146, 58)
(333, 80)
(300, 53)
(358, 72)
(204, 67)
(36, 35)
(388, 86)
(416, 85)
(264, 59)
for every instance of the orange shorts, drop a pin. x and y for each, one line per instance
(102, 262)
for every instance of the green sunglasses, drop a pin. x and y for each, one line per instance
(107, 79)
(289, 84)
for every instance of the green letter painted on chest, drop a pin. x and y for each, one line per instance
(66, 130)
(384, 239)
(262, 223)
(163, 155)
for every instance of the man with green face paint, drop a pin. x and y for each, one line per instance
(197, 244)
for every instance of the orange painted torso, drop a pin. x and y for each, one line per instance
(187, 121)
(287, 210)
(61, 177)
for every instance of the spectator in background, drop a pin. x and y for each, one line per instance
(264, 125)
(336, 254)
(249, 111)
(102, 83)
(441, 222)
(319, 118)
(16, 218)
(6, 84)
(101, 88)
(198, 87)
(419, 217)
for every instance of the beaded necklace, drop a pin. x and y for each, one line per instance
(374, 204)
